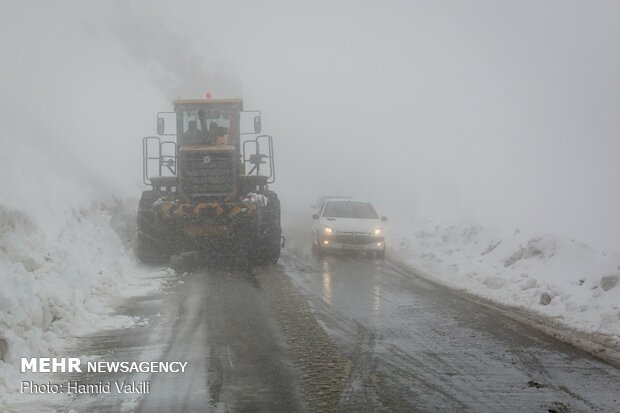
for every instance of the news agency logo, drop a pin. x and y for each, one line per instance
(206, 160)
(92, 386)
(74, 365)
(51, 365)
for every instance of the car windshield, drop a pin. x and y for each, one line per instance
(349, 209)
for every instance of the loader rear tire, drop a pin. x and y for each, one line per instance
(148, 251)
(267, 250)
(149, 245)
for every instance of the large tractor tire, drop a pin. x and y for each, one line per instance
(245, 243)
(268, 246)
(148, 250)
(149, 245)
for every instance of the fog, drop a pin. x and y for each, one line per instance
(500, 113)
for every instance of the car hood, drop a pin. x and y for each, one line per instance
(351, 224)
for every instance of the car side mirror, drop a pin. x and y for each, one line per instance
(315, 216)
(384, 219)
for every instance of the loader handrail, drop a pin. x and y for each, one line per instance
(163, 160)
(256, 159)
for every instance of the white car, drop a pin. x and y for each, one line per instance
(348, 224)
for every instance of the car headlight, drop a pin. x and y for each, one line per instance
(328, 230)
(377, 231)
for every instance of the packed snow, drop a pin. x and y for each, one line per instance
(554, 276)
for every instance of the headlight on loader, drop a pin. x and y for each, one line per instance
(328, 230)
(377, 231)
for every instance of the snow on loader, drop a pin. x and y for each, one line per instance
(209, 187)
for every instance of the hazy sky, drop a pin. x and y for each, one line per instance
(502, 112)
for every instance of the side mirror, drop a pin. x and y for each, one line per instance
(249, 122)
(161, 123)
(384, 219)
(315, 216)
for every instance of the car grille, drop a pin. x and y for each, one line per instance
(358, 239)
(208, 173)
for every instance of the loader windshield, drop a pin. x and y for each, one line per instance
(202, 126)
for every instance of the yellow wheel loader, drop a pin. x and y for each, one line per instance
(209, 185)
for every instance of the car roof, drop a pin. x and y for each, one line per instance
(351, 199)
(327, 197)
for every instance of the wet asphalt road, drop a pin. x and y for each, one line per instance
(341, 333)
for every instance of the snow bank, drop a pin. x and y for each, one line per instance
(61, 262)
(551, 275)
(74, 108)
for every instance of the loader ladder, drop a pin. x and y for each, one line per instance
(158, 154)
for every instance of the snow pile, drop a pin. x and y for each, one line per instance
(76, 100)
(75, 106)
(553, 276)
(61, 262)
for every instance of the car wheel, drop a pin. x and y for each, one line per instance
(320, 251)
(316, 247)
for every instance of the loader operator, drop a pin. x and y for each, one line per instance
(214, 135)
(217, 134)
(192, 136)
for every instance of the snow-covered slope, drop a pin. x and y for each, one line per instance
(551, 275)
(61, 262)
(74, 108)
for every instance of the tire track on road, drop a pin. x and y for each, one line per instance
(324, 370)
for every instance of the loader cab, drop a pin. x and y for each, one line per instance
(208, 122)
(211, 157)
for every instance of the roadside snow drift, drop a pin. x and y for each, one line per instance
(80, 88)
(551, 275)
(74, 106)
(61, 262)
